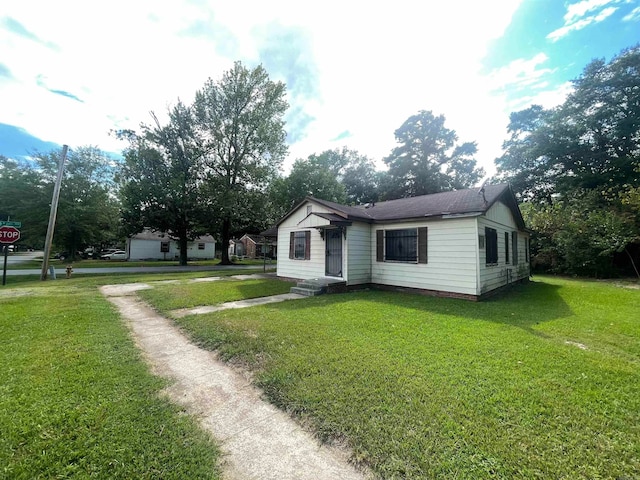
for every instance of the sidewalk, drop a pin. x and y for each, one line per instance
(258, 441)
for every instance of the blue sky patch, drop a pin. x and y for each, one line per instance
(5, 72)
(16, 142)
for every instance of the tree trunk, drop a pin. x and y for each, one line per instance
(226, 236)
(632, 262)
(183, 248)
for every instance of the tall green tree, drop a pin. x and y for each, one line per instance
(429, 159)
(307, 177)
(338, 175)
(579, 164)
(356, 173)
(87, 212)
(239, 120)
(591, 141)
(23, 197)
(162, 179)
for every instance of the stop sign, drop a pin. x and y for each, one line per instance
(9, 234)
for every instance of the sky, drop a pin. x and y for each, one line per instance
(71, 72)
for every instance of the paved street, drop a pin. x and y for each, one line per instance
(60, 269)
(16, 258)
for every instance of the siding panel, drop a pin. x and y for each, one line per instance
(451, 254)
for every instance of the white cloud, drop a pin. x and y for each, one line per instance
(633, 15)
(375, 66)
(575, 12)
(579, 9)
(520, 73)
(549, 98)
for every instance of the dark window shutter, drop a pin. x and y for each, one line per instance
(307, 245)
(422, 245)
(506, 247)
(379, 245)
(291, 242)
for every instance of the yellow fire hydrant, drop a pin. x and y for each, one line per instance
(69, 269)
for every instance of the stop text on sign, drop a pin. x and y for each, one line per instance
(9, 234)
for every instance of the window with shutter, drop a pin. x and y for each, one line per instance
(491, 250)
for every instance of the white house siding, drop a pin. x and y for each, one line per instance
(358, 254)
(140, 249)
(143, 249)
(491, 277)
(451, 254)
(194, 252)
(302, 269)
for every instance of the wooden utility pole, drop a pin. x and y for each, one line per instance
(52, 214)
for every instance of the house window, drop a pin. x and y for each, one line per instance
(164, 247)
(506, 247)
(402, 245)
(491, 252)
(300, 245)
(308, 209)
(201, 246)
(526, 250)
(514, 236)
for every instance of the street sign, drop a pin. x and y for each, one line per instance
(9, 234)
(4, 223)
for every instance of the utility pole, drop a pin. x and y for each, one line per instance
(52, 215)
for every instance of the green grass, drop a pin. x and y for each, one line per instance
(424, 387)
(76, 399)
(187, 295)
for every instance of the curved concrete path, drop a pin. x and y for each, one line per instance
(258, 441)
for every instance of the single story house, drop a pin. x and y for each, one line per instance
(150, 245)
(254, 245)
(465, 243)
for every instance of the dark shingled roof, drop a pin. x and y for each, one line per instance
(459, 202)
(270, 232)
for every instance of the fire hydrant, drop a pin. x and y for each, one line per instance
(69, 269)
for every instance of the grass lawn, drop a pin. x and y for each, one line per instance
(543, 382)
(76, 399)
(187, 295)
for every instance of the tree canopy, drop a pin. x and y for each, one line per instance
(591, 141)
(429, 159)
(161, 179)
(208, 168)
(240, 121)
(579, 166)
(87, 211)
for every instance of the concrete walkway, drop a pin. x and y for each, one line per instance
(259, 441)
(251, 302)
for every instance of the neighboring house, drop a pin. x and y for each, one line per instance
(465, 243)
(149, 245)
(255, 245)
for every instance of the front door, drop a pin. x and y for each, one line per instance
(333, 253)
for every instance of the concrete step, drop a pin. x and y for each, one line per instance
(307, 291)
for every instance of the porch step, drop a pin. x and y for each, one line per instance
(318, 286)
(307, 290)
